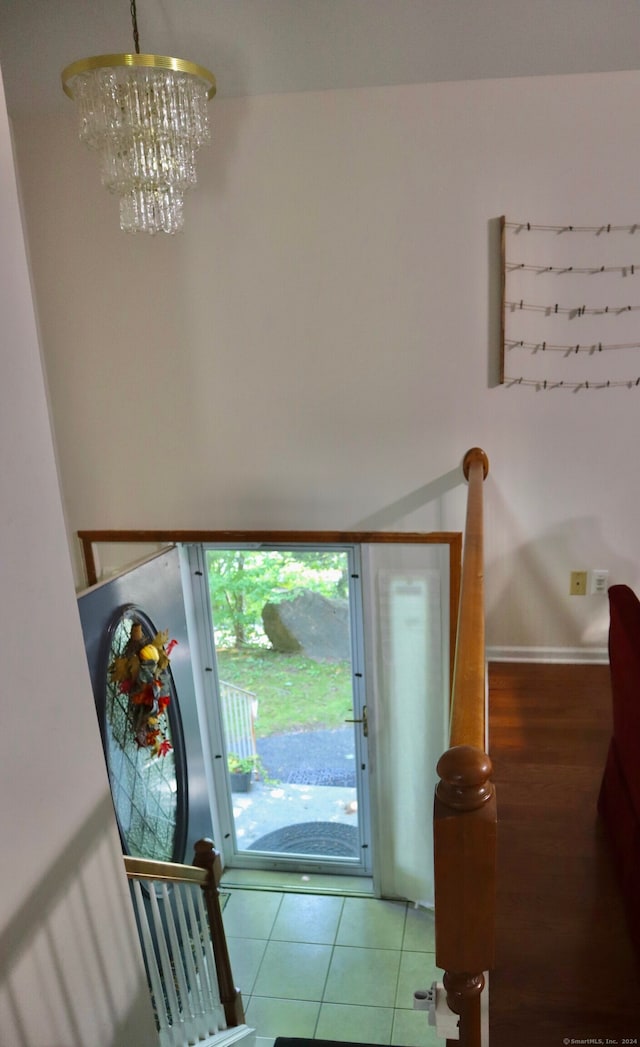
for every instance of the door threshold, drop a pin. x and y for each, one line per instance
(295, 882)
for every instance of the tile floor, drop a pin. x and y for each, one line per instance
(332, 968)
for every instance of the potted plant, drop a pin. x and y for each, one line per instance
(241, 770)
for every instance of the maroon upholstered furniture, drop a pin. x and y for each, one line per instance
(619, 800)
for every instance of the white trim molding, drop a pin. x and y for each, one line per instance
(580, 655)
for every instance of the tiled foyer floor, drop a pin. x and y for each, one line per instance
(332, 968)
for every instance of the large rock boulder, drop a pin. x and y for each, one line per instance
(310, 623)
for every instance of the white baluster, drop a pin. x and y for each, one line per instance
(210, 960)
(152, 967)
(177, 1024)
(187, 935)
(208, 974)
(177, 954)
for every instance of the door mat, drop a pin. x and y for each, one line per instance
(317, 838)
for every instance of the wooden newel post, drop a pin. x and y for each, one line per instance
(465, 837)
(206, 857)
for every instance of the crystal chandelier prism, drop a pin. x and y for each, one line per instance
(146, 117)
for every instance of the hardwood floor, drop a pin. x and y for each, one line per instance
(565, 969)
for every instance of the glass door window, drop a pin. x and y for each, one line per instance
(286, 638)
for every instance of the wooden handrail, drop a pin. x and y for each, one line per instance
(465, 818)
(467, 696)
(165, 872)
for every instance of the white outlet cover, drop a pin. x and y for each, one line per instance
(598, 581)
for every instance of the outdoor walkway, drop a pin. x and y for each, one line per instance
(267, 808)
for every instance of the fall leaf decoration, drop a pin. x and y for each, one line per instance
(141, 673)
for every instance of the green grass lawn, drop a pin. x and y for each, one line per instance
(294, 692)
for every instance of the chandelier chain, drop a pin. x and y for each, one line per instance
(134, 23)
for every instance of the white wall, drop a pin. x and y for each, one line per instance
(318, 345)
(70, 965)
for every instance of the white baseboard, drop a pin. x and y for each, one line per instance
(579, 655)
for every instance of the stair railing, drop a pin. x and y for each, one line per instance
(465, 822)
(184, 945)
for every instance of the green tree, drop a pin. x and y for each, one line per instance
(241, 581)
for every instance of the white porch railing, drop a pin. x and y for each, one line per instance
(239, 712)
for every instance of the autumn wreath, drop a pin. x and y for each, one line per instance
(142, 673)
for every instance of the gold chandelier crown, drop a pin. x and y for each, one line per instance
(146, 116)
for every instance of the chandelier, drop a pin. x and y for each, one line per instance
(146, 117)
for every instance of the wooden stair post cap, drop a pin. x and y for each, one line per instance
(464, 773)
(475, 454)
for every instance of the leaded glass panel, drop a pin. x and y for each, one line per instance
(145, 786)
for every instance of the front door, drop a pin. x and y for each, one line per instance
(282, 627)
(158, 777)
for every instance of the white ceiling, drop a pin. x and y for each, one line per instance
(267, 46)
